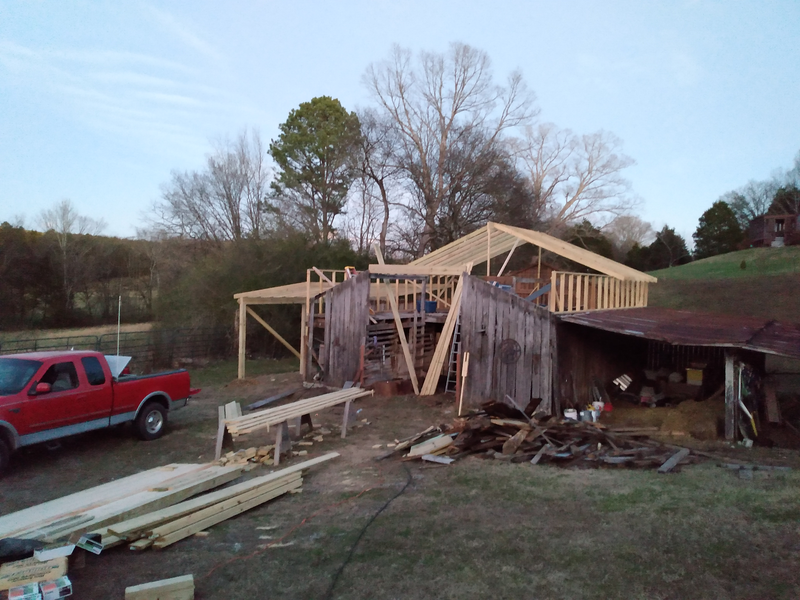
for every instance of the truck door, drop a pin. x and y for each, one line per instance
(71, 401)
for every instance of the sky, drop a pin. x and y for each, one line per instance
(100, 101)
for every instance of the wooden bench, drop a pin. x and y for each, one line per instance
(233, 422)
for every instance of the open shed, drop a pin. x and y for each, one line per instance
(597, 347)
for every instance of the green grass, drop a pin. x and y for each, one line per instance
(224, 371)
(759, 262)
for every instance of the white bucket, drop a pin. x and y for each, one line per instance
(571, 413)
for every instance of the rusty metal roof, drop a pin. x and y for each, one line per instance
(695, 329)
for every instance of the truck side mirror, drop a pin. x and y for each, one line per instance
(42, 388)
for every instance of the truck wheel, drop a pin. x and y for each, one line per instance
(5, 456)
(151, 421)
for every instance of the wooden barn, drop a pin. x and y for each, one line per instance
(448, 320)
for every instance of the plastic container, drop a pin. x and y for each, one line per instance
(571, 413)
(430, 306)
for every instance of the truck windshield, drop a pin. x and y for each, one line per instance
(15, 373)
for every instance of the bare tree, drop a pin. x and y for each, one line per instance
(751, 200)
(228, 200)
(65, 222)
(573, 177)
(438, 101)
(625, 231)
(379, 169)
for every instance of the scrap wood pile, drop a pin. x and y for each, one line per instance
(504, 432)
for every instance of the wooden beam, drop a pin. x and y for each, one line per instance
(322, 275)
(508, 257)
(411, 269)
(177, 588)
(277, 335)
(439, 355)
(488, 249)
(242, 337)
(730, 396)
(575, 253)
(412, 373)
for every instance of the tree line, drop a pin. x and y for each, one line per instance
(443, 148)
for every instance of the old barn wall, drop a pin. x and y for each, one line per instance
(346, 318)
(512, 346)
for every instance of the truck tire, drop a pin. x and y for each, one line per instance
(151, 422)
(5, 456)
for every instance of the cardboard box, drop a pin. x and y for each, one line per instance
(31, 570)
(53, 590)
(694, 376)
(25, 592)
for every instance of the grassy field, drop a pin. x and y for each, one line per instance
(38, 334)
(769, 286)
(759, 262)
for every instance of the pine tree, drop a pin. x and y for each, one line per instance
(718, 231)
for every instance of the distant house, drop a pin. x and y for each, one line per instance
(774, 230)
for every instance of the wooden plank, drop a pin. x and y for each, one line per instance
(673, 460)
(176, 588)
(218, 517)
(242, 338)
(277, 335)
(771, 402)
(173, 525)
(322, 275)
(415, 270)
(730, 397)
(439, 355)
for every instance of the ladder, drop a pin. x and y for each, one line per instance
(455, 350)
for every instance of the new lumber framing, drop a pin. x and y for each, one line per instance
(277, 335)
(440, 354)
(412, 372)
(176, 588)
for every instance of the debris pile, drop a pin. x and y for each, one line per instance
(502, 432)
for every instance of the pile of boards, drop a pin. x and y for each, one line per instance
(162, 528)
(162, 505)
(503, 432)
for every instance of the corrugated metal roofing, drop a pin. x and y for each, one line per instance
(695, 329)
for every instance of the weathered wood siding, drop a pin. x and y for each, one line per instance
(346, 320)
(490, 316)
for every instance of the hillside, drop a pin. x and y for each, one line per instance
(758, 262)
(769, 286)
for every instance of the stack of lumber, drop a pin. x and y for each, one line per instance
(280, 414)
(115, 501)
(503, 432)
(164, 527)
(177, 588)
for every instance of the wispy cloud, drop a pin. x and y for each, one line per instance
(161, 104)
(183, 33)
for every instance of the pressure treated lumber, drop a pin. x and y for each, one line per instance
(176, 588)
(162, 541)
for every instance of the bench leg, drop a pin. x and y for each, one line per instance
(346, 418)
(278, 440)
(298, 424)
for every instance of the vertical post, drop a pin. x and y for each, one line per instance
(539, 265)
(488, 249)
(730, 396)
(303, 347)
(552, 293)
(278, 441)
(298, 425)
(242, 335)
(346, 418)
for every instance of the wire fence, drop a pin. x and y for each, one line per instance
(150, 350)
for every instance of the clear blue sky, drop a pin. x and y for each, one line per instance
(99, 101)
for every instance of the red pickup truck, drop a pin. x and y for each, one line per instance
(49, 395)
